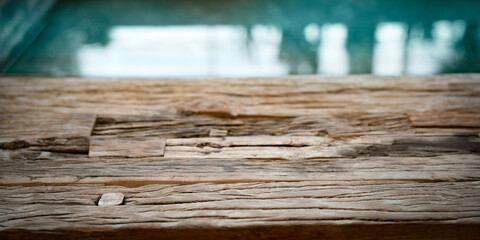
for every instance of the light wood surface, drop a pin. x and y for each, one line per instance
(358, 157)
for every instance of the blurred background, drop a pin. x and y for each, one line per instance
(238, 38)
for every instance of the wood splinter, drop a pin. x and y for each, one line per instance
(218, 133)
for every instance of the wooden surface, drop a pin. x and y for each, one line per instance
(357, 157)
(124, 147)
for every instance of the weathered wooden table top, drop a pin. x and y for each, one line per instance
(357, 157)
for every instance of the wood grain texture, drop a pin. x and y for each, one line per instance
(50, 131)
(242, 204)
(469, 118)
(376, 210)
(142, 172)
(358, 157)
(121, 147)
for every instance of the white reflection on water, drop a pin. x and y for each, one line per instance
(420, 54)
(388, 53)
(264, 52)
(241, 51)
(332, 55)
(185, 51)
(427, 56)
(312, 33)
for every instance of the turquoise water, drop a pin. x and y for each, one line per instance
(241, 38)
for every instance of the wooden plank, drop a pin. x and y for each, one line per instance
(290, 96)
(47, 131)
(54, 208)
(456, 119)
(43, 125)
(329, 156)
(262, 140)
(121, 171)
(22, 167)
(259, 158)
(447, 131)
(126, 147)
(339, 123)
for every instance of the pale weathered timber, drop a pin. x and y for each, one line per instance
(241, 204)
(293, 96)
(231, 206)
(304, 157)
(50, 131)
(218, 133)
(115, 171)
(338, 123)
(449, 119)
(126, 147)
(261, 158)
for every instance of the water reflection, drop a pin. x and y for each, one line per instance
(333, 55)
(188, 51)
(429, 55)
(389, 50)
(117, 38)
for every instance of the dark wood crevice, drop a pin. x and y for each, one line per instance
(423, 231)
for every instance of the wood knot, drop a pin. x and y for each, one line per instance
(111, 199)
